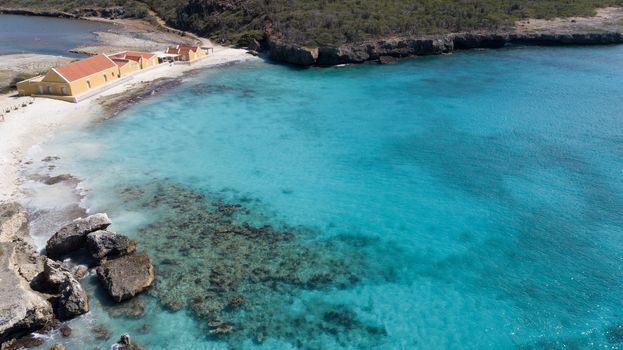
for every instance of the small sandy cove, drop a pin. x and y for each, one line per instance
(35, 123)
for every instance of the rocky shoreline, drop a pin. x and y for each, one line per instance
(387, 50)
(38, 292)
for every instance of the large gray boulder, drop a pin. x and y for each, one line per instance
(72, 236)
(22, 310)
(126, 276)
(105, 245)
(71, 299)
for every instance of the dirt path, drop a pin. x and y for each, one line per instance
(608, 19)
(163, 24)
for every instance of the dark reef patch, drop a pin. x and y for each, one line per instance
(203, 89)
(246, 279)
(117, 103)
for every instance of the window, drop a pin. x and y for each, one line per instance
(88, 84)
(105, 78)
(63, 90)
(40, 89)
(50, 90)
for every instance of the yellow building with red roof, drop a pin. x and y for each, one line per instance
(187, 53)
(78, 78)
(144, 59)
(72, 79)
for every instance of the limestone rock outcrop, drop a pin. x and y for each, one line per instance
(105, 244)
(126, 276)
(72, 236)
(22, 310)
(292, 54)
(13, 222)
(405, 47)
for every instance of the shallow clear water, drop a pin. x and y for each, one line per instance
(467, 201)
(45, 35)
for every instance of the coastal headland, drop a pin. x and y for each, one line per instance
(605, 27)
(29, 124)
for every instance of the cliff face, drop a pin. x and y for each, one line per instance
(375, 51)
(22, 310)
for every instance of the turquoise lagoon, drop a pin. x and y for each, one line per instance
(470, 201)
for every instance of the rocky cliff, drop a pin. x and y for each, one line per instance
(376, 51)
(22, 310)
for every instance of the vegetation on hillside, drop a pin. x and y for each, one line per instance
(131, 8)
(325, 22)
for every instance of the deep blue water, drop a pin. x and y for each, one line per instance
(473, 201)
(45, 35)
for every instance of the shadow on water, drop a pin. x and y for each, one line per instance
(244, 279)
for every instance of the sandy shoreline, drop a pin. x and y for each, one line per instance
(37, 122)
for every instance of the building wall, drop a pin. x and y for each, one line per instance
(53, 77)
(201, 53)
(100, 78)
(132, 66)
(50, 85)
(38, 86)
(149, 62)
(195, 55)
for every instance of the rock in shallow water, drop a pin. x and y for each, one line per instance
(65, 330)
(126, 276)
(105, 244)
(80, 271)
(125, 343)
(72, 236)
(72, 300)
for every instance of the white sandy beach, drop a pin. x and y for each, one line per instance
(30, 125)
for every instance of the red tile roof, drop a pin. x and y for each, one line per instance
(83, 68)
(120, 62)
(186, 49)
(182, 49)
(142, 54)
(133, 55)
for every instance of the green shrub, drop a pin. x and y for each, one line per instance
(327, 22)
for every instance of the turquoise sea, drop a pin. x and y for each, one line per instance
(468, 201)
